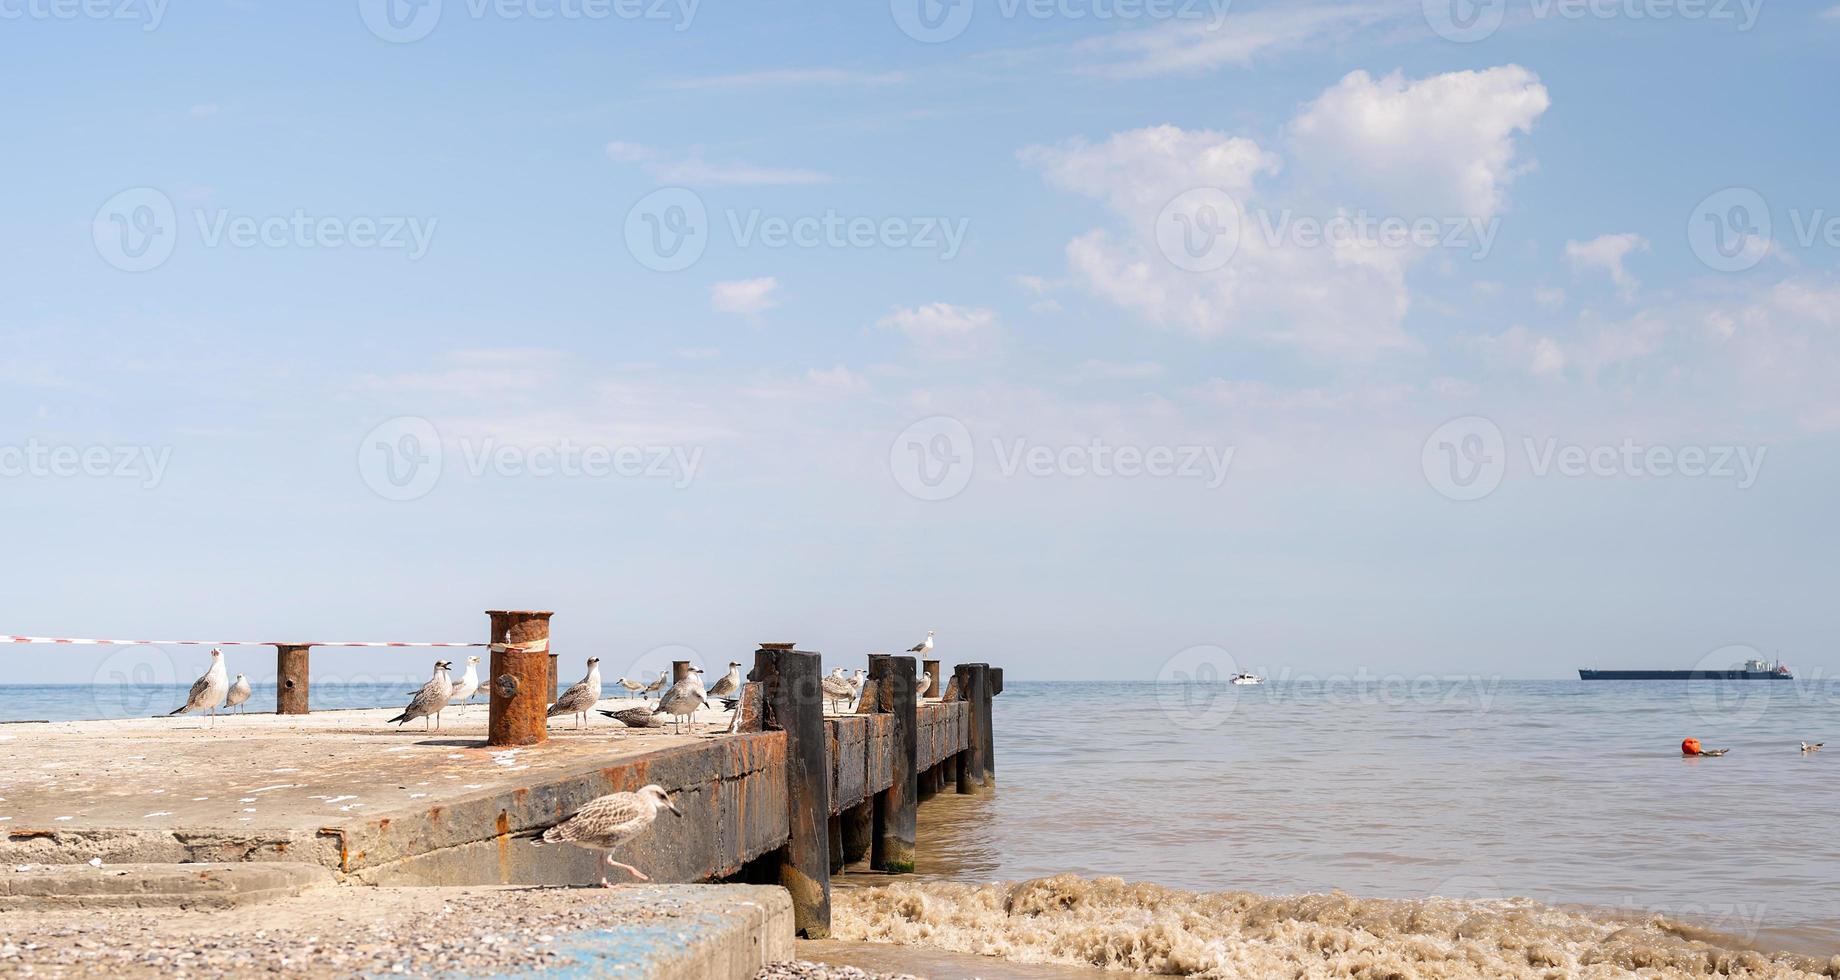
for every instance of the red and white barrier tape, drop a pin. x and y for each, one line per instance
(66, 641)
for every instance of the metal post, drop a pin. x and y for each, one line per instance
(519, 679)
(291, 679)
(993, 686)
(973, 683)
(893, 678)
(555, 679)
(680, 669)
(790, 683)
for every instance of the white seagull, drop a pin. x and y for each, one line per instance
(837, 688)
(208, 690)
(856, 684)
(729, 684)
(606, 823)
(924, 646)
(469, 683)
(683, 700)
(239, 692)
(428, 702)
(579, 699)
(633, 688)
(922, 684)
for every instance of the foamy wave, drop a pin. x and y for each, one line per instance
(1110, 923)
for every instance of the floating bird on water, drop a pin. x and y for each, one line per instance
(1812, 746)
(664, 678)
(924, 646)
(239, 692)
(469, 683)
(1691, 747)
(606, 823)
(729, 684)
(633, 688)
(208, 690)
(635, 717)
(579, 699)
(430, 700)
(837, 688)
(683, 700)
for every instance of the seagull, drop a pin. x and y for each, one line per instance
(683, 700)
(632, 687)
(659, 684)
(1812, 746)
(578, 699)
(856, 684)
(924, 646)
(428, 701)
(837, 688)
(922, 684)
(610, 821)
(239, 692)
(635, 717)
(208, 690)
(729, 684)
(469, 682)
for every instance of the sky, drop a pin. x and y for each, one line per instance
(1103, 337)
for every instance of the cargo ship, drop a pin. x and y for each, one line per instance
(1752, 670)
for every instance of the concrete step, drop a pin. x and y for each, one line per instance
(82, 886)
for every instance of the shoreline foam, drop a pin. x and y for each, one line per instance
(1110, 923)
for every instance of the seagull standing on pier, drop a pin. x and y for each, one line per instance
(856, 685)
(922, 684)
(729, 684)
(633, 688)
(635, 717)
(606, 823)
(664, 677)
(429, 701)
(239, 692)
(683, 700)
(837, 688)
(583, 696)
(208, 690)
(924, 646)
(469, 683)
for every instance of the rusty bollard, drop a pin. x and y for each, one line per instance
(794, 704)
(933, 690)
(893, 849)
(291, 679)
(520, 678)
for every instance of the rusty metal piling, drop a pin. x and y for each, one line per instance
(291, 679)
(893, 849)
(520, 678)
(794, 700)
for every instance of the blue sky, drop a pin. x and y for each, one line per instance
(253, 248)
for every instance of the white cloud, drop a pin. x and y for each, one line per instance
(1138, 171)
(1550, 297)
(1606, 253)
(1442, 145)
(744, 297)
(1098, 370)
(1200, 44)
(943, 331)
(693, 169)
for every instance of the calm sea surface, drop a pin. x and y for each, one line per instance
(1569, 792)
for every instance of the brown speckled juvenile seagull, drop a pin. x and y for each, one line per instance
(606, 823)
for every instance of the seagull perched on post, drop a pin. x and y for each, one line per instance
(428, 702)
(633, 688)
(583, 696)
(924, 646)
(208, 690)
(606, 823)
(239, 692)
(729, 684)
(469, 683)
(837, 688)
(683, 700)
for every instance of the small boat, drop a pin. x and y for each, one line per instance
(1248, 679)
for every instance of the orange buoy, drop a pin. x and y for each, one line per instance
(1690, 747)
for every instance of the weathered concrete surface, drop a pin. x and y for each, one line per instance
(663, 931)
(50, 887)
(341, 790)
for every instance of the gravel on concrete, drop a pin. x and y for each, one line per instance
(807, 970)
